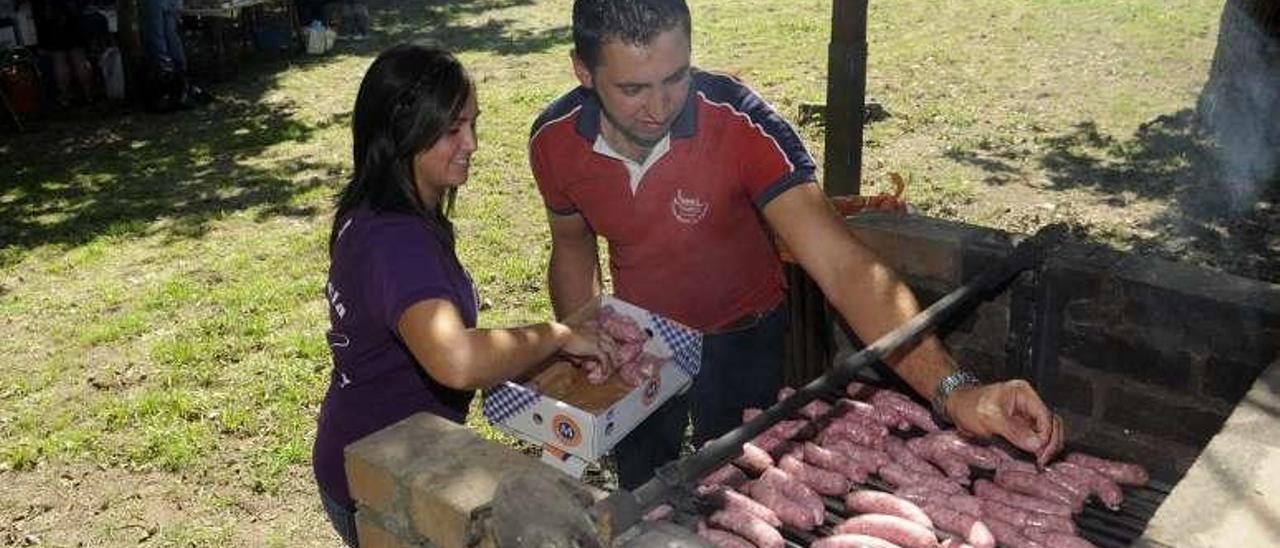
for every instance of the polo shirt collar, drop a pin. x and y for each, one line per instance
(588, 125)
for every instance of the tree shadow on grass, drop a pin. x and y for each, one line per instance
(1167, 159)
(78, 177)
(461, 27)
(76, 180)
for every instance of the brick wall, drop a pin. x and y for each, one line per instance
(1151, 356)
(417, 482)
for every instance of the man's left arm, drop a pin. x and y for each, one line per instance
(873, 301)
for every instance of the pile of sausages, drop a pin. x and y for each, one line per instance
(622, 341)
(832, 449)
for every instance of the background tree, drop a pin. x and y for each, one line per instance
(1240, 104)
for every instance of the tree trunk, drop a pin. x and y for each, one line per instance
(1240, 104)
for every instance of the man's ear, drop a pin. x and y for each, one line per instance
(580, 70)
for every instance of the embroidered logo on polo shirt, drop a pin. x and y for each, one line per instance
(688, 209)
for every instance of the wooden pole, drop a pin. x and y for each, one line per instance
(846, 93)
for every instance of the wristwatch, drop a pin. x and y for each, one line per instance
(957, 379)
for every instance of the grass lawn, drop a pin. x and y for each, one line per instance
(161, 312)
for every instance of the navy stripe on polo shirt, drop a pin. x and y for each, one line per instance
(689, 242)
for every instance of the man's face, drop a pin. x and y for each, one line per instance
(642, 89)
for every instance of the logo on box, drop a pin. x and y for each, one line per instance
(566, 431)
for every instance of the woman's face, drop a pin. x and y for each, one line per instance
(447, 163)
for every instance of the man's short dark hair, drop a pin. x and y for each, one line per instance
(632, 22)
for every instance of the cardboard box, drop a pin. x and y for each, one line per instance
(557, 407)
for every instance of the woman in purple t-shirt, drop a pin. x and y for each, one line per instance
(402, 309)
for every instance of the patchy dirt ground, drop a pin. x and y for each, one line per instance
(59, 505)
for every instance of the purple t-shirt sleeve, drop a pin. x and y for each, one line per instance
(411, 270)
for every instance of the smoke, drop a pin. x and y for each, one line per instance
(1241, 108)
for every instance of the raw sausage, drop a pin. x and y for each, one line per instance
(1102, 486)
(966, 526)
(987, 490)
(1034, 485)
(1124, 473)
(748, 527)
(825, 458)
(866, 501)
(824, 482)
(852, 541)
(900, 531)
(721, 538)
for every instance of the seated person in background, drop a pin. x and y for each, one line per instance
(63, 42)
(402, 308)
(350, 19)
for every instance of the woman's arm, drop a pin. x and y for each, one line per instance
(465, 358)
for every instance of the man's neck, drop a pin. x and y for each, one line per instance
(622, 144)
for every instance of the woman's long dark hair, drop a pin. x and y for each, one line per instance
(409, 98)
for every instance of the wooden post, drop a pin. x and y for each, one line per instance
(846, 93)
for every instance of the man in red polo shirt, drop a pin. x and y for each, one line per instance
(684, 172)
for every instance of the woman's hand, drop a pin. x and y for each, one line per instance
(1012, 410)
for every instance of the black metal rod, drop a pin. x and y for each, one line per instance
(622, 509)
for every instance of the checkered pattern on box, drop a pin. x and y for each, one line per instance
(507, 400)
(685, 343)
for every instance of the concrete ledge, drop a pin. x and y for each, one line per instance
(1231, 494)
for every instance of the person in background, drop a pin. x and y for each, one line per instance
(349, 18)
(63, 41)
(402, 308)
(686, 173)
(168, 84)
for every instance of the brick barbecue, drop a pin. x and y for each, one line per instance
(1145, 359)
